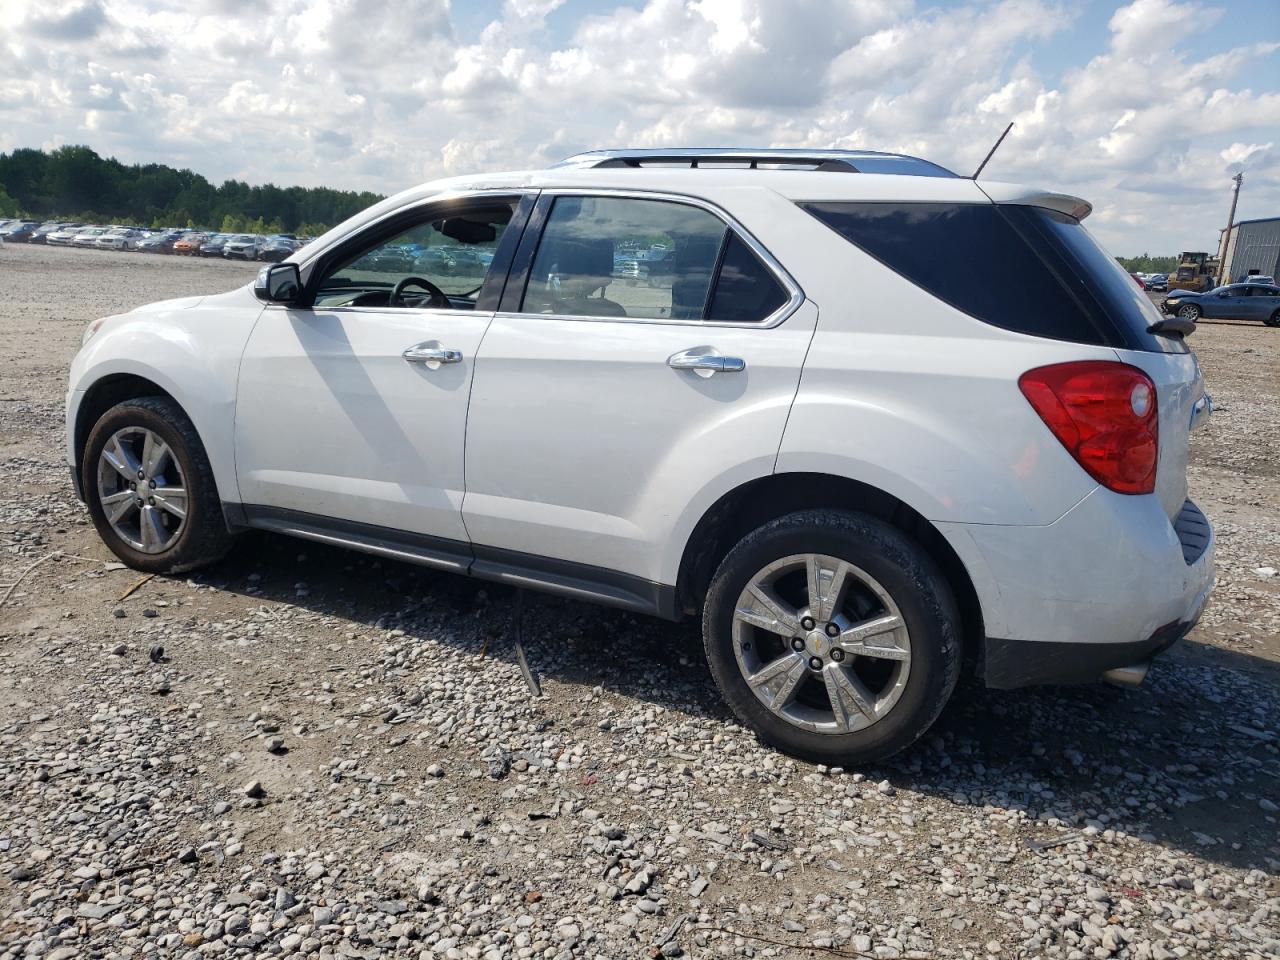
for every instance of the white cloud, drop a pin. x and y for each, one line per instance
(377, 94)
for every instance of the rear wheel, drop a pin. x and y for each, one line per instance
(833, 636)
(150, 488)
(1189, 311)
(1274, 319)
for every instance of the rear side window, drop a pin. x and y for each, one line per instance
(647, 259)
(1026, 269)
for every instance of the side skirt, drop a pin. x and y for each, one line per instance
(563, 577)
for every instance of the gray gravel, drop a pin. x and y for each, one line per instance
(338, 756)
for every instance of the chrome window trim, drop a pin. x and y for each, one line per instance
(795, 295)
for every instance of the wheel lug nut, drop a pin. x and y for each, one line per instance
(815, 663)
(832, 629)
(797, 643)
(141, 475)
(151, 484)
(151, 501)
(808, 623)
(837, 654)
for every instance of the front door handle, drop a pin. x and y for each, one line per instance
(432, 354)
(705, 363)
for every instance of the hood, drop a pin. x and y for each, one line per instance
(178, 303)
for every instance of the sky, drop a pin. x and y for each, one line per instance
(1146, 109)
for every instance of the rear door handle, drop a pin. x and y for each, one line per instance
(708, 362)
(432, 354)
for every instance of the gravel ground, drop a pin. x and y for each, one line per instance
(307, 751)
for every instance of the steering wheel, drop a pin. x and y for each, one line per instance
(439, 300)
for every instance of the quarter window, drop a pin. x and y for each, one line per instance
(646, 259)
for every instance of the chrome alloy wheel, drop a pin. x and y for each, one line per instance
(821, 643)
(142, 490)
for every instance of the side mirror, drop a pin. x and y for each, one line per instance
(1223, 293)
(278, 283)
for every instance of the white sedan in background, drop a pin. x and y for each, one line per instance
(88, 237)
(122, 238)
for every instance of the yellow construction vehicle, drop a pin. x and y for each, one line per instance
(1196, 271)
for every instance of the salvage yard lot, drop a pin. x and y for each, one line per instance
(304, 750)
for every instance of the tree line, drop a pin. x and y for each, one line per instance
(1149, 264)
(73, 182)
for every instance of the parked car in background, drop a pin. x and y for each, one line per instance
(1257, 278)
(1137, 278)
(1158, 282)
(63, 236)
(434, 260)
(1235, 301)
(852, 527)
(119, 238)
(213, 244)
(20, 231)
(53, 226)
(189, 244)
(276, 249)
(88, 236)
(160, 242)
(242, 246)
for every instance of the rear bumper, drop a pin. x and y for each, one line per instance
(1112, 583)
(1007, 664)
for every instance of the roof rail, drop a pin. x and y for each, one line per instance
(827, 161)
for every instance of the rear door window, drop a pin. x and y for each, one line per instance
(1026, 269)
(647, 259)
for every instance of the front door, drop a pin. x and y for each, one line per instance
(353, 408)
(646, 355)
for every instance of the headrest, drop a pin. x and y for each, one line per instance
(581, 265)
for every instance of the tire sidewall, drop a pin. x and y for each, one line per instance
(130, 414)
(911, 579)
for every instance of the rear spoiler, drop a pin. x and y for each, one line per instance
(1014, 193)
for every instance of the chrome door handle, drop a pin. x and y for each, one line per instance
(431, 353)
(710, 362)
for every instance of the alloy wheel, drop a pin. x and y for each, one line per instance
(821, 643)
(142, 490)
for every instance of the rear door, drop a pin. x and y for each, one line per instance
(607, 399)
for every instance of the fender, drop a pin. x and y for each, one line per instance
(192, 349)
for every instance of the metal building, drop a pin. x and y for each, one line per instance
(1252, 247)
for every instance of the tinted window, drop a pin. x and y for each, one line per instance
(648, 259)
(624, 257)
(746, 292)
(1026, 269)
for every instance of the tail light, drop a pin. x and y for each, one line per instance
(1105, 414)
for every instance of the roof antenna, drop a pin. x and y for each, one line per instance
(991, 153)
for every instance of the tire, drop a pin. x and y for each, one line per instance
(198, 539)
(1274, 319)
(903, 572)
(1189, 311)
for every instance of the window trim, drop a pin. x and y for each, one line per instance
(522, 264)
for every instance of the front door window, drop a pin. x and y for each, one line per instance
(439, 263)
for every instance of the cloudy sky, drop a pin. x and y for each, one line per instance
(1145, 108)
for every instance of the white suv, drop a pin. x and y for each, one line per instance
(871, 420)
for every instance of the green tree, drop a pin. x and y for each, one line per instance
(8, 205)
(75, 182)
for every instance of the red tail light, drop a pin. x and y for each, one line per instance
(1105, 414)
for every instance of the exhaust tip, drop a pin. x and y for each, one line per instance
(1130, 676)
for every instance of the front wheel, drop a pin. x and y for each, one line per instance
(150, 488)
(833, 636)
(1189, 311)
